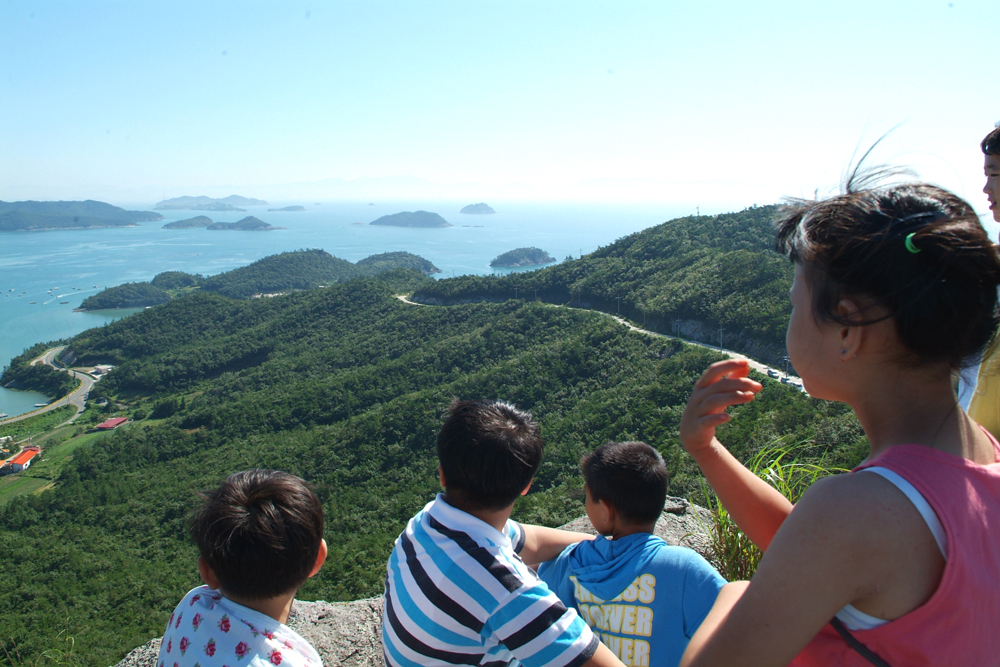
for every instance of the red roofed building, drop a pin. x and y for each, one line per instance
(111, 424)
(21, 462)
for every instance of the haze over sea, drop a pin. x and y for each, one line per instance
(74, 261)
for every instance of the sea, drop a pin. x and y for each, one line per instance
(45, 275)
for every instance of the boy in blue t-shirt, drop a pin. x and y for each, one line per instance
(644, 598)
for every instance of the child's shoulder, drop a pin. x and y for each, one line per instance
(208, 629)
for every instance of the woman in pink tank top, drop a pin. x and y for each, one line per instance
(894, 289)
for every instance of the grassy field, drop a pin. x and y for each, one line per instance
(58, 447)
(38, 424)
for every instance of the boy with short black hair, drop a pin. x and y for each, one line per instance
(458, 590)
(260, 535)
(644, 597)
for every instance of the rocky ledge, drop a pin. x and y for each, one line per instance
(349, 633)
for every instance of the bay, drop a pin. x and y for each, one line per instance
(45, 275)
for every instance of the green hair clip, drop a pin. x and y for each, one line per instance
(909, 243)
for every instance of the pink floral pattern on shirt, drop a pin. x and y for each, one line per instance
(243, 635)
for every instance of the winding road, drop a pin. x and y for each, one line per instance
(77, 399)
(754, 364)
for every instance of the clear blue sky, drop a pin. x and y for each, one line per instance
(721, 104)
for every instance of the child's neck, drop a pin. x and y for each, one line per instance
(619, 531)
(494, 518)
(905, 407)
(277, 608)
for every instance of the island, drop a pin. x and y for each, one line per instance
(44, 215)
(230, 203)
(247, 224)
(287, 208)
(478, 209)
(523, 257)
(387, 261)
(197, 221)
(412, 219)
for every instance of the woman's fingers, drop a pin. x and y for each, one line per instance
(729, 368)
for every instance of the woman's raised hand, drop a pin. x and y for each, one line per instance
(725, 383)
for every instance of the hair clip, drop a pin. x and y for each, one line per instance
(909, 243)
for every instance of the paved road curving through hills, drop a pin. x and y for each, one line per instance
(754, 364)
(77, 399)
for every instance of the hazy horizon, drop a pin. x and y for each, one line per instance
(718, 106)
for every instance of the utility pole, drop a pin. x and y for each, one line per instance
(515, 292)
(720, 338)
(536, 295)
(677, 327)
(619, 304)
(786, 364)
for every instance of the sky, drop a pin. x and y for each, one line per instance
(718, 105)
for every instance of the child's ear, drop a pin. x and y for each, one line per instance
(207, 575)
(320, 557)
(441, 476)
(524, 492)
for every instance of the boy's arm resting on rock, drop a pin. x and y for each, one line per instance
(542, 544)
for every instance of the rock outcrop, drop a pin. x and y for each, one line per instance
(348, 634)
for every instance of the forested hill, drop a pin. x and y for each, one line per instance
(344, 386)
(287, 271)
(706, 271)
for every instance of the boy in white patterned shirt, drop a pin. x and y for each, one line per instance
(260, 536)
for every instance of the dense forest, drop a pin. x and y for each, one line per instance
(301, 269)
(344, 386)
(32, 215)
(691, 275)
(129, 295)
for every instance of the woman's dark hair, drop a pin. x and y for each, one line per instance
(914, 253)
(260, 532)
(489, 451)
(631, 476)
(991, 142)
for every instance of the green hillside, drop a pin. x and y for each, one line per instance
(129, 295)
(708, 271)
(344, 386)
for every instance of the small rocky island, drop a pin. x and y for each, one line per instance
(412, 219)
(478, 209)
(522, 257)
(247, 224)
(230, 203)
(197, 221)
(287, 208)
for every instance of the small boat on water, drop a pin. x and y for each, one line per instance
(41, 405)
(64, 302)
(31, 302)
(3, 414)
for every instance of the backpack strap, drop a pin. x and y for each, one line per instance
(858, 647)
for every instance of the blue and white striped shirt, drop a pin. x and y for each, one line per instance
(457, 593)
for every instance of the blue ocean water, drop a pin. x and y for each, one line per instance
(45, 275)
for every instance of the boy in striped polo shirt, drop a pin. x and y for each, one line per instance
(458, 587)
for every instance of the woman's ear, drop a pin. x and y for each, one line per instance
(851, 337)
(441, 476)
